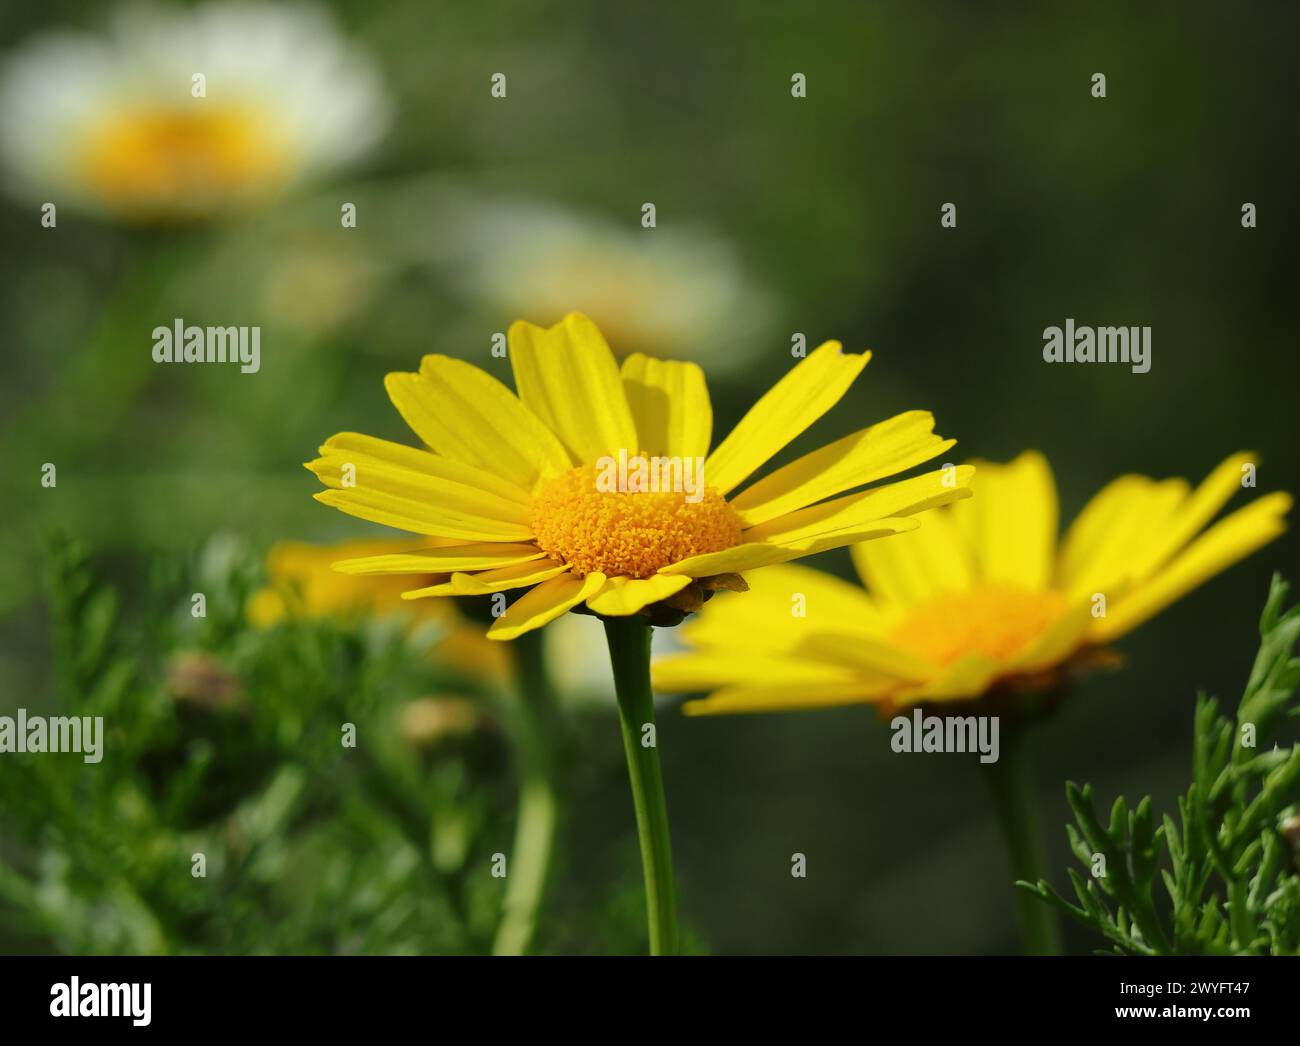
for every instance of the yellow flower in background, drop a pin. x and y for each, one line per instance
(176, 113)
(426, 721)
(514, 486)
(300, 584)
(980, 596)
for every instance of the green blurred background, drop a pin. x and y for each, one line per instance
(818, 215)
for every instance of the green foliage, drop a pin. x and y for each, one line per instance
(1228, 865)
(226, 741)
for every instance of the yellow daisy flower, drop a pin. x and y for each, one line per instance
(979, 598)
(301, 584)
(519, 490)
(560, 489)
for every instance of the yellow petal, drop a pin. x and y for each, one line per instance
(622, 596)
(916, 567)
(464, 413)
(1188, 516)
(420, 517)
(708, 670)
(797, 638)
(502, 579)
(734, 560)
(790, 698)
(903, 498)
(301, 583)
(854, 461)
(351, 472)
(482, 556)
(567, 376)
(364, 450)
(755, 554)
(1116, 530)
(811, 388)
(967, 677)
(421, 495)
(544, 603)
(288, 559)
(1231, 539)
(845, 536)
(783, 604)
(670, 405)
(876, 659)
(1010, 524)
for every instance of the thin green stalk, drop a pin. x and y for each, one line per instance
(1011, 785)
(530, 857)
(629, 652)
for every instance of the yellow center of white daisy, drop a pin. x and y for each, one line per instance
(150, 158)
(997, 621)
(626, 533)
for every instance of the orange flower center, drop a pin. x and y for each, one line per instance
(997, 621)
(626, 533)
(150, 159)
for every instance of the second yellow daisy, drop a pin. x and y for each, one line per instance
(980, 597)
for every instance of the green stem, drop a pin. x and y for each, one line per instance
(530, 857)
(629, 652)
(1011, 785)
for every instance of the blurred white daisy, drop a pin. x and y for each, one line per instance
(669, 291)
(176, 113)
